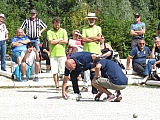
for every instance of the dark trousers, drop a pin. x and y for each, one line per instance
(139, 68)
(46, 57)
(94, 90)
(74, 80)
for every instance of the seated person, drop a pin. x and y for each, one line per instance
(75, 42)
(112, 77)
(138, 55)
(29, 61)
(106, 49)
(155, 59)
(45, 54)
(18, 44)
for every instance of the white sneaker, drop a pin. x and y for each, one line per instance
(75, 96)
(144, 80)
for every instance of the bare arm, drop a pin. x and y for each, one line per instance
(42, 30)
(128, 63)
(153, 51)
(64, 85)
(97, 70)
(37, 55)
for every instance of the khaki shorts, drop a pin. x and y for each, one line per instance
(57, 65)
(105, 83)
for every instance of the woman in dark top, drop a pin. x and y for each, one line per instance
(45, 54)
(106, 49)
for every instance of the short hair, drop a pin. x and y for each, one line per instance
(56, 19)
(157, 38)
(29, 45)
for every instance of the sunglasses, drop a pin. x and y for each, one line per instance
(136, 16)
(141, 43)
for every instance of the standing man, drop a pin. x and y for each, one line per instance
(18, 44)
(91, 35)
(33, 25)
(137, 30)
(58, 39)
(138, 55)
(3, 38)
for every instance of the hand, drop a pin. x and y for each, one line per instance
(64, 95)
(34, 49)
(29, 50)
(128, 68)
(48, 53)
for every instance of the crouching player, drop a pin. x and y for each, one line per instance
(112, 77)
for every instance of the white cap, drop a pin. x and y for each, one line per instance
(91, 15)
(2, 15)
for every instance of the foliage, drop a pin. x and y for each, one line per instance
(114, 16)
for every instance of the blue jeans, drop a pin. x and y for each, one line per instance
(149, 66)
(3, 54)
(36, 44)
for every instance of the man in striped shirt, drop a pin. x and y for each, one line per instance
(33, 31)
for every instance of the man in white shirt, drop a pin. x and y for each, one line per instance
(30, 59)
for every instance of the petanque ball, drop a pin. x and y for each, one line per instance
(135, 115)
(35, 97)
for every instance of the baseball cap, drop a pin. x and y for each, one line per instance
(2, 15)
(137, 14)
(33, 11)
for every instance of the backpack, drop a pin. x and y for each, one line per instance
(18, 74)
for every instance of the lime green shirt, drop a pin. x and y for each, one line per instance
(57, 49)
(92, 47)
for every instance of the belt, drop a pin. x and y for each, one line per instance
(33, 38)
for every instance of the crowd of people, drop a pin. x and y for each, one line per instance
(88, 53)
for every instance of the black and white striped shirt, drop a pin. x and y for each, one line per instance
(33, 27)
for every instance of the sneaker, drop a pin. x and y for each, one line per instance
(119, 98)
(75, 96)
(109, 98)
(144, 80)
(24, 79)
(84, 89)
(36, 79)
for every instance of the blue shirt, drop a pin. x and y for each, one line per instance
(83, 61)
(113, 71)
(158, 26)
(138, 27)
(19, 48)
(139, 56)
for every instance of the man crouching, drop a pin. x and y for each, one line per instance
(112, 77)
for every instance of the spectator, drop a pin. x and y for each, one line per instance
(3, 38)
(30, 61)
(18, 44)
(106, 49)
(33, 25)
(75, 42)
(137, 30)
(58, 39)
(138, 55)
(154, 61)
(45, 54)
(91, 35)
(112, 77)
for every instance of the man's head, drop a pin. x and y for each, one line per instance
(2, 17)
(157, 41)
(141, 43)
(137, 17)
(33, 14)
(56, 23)
(20, 32)
(91, 18)
(70, 64)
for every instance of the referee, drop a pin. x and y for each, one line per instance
(33, 31)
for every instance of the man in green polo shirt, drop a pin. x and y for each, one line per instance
(58, 39)
(91, 35)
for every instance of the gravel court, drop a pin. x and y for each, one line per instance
(18, 104)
